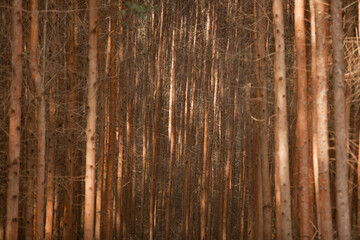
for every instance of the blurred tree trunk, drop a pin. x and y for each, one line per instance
(91, 124)
(206, 111)
(50, 187)
(172, 123)
(156, 127)
(71, 70)
(282, 169)
(120, 121)
(189, 129)
(322, 120)
(102, 124)
(341, 179)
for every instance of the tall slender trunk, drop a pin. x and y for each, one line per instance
(119, 182)
(51, 167)
(12, 203)
(107, 220)
(302, 148)
(322, 120)
(341, 179)
(172, 126)
(313, 113)
(205, 163)
(41, 120)
(261, 24)
(91, 124)
(102, 132)
(156, 129)
(50, 187)
(71, 83)
(281, 125)
(30, 160)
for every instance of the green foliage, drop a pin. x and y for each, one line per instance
(140, 10)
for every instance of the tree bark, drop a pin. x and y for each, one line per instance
(41, 119)
(313, 113)
(91, 124)
(302, 147)
(12, 203)
(322, 120)
(108, 203)
(172, 126)
(281, 125)
(341, 179)
(156, 129)
(261, 24)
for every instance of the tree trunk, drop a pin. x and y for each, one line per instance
(12, 203)
(341, 179)
(172, 126)
(108, 203)
(119, 183)
(322, 120)
(302, 147)
(281, 125)
(91, 124)
(51, 168)
(156, 130)
(41, 119)
(71, 83)
(261, 24)
(313, 113)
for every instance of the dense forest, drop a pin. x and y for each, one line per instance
(192, 119)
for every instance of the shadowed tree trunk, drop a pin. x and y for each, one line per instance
(156, 129)
(41, 120)
(12, 206)
(341, 180)
(261, 24)
(108, 203)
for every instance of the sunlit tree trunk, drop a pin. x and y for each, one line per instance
(12, 203)
(321, 102)
(41, 120)
(91, 124)
(281, 125)
(172, 124)
(341, 179)
(302, 148)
